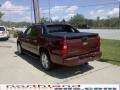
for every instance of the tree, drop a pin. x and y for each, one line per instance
(63, 21)
(1, 14)
(77, 20)
(44, 20)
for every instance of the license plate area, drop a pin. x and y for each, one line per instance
(86, 59)
(85, 43)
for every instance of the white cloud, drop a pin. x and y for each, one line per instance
(103, 14)
(55, 18)
(27, 18)
(68, 16)
(54, 10)
(114, 12)
(60, 18)
(72, 9)
(58, 9)
(61, 12)
(44, 11)
(9, 8)
(98, 13)
(13, 12)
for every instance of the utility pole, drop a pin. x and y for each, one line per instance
(119, 14)
(49, 11)
(119, 9)
(0, 18)
(36, 11)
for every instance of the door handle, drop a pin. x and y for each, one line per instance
(27, 39)
(35, 41)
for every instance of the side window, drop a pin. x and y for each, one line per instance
(40, 29)
(32, 32)
(28, 31)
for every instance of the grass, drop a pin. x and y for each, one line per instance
(111, 51)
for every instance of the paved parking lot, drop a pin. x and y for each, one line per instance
(26, 69)
(105, 33)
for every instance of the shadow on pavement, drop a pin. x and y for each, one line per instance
(3, 39)
(60, 72)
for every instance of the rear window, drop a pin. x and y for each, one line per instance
(60, 28)
(2, 29)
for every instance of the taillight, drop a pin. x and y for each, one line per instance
(3, 32)
(99, 42)
(64, 48)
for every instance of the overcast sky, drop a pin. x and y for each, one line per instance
(20, 10)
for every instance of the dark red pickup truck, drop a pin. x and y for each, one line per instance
(59, 44)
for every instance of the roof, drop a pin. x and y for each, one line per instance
(2, 26)
(51, 24)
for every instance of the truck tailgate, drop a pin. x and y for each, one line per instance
(78, 43)
(83, 45)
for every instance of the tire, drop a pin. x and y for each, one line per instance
(86, 63)
(7, 38)
(45, 61)
(19, 49)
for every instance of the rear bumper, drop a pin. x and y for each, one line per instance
(4, 36)
(78, 60)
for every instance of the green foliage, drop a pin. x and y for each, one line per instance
(1, 14)
(20, 24)
(16, 24)
(111, 51)
(44, 20)
(106, 23)
(15, 33)
(77, 20)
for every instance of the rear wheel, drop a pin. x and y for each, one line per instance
(86, 63)
(45, 61)
(7, 38)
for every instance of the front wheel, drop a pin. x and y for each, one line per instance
(19, 49)
(86, 63)
(45, 61)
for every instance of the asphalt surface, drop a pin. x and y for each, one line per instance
(105, 33)
(26, 69)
